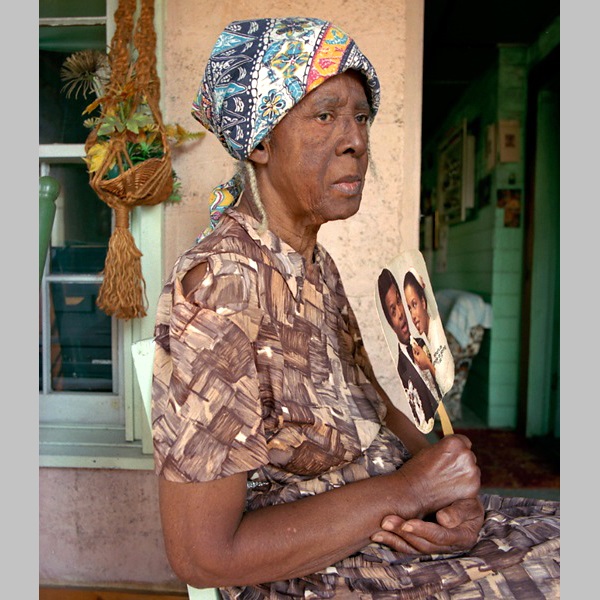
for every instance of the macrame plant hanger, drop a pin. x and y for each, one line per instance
(123, 290)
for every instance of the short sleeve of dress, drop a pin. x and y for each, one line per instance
(207, 415)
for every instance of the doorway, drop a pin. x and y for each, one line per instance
(539, 400)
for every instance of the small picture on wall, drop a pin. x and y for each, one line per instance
(512, 211)
(509, 141)
(510, 201)
(456, 160)
(504, 196)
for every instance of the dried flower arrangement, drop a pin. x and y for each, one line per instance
(87, 72)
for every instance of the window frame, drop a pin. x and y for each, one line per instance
(102, 440)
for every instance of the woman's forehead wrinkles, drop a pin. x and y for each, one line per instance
(335, 100)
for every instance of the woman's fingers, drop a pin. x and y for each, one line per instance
(395, 542)
(465, 509)
(457, 532)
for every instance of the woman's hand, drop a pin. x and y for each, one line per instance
(438, 476)
(457, 530)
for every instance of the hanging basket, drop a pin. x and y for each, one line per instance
(123, 290)
(146, 183)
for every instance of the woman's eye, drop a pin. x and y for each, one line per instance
(362, 118)
(324, 117)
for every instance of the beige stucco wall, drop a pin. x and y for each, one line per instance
(101, 527)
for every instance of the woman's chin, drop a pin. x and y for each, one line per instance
(343, 209)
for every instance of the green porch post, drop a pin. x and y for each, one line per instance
(49, 190)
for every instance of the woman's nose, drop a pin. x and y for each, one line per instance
(354, 137)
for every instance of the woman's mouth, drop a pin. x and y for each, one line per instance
(349, 186)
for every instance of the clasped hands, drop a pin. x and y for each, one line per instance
(458, 522)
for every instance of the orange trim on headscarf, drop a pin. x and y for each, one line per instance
(326, 60)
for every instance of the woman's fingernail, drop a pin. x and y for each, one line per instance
(387, 524)
(407, 527)
(377, 538)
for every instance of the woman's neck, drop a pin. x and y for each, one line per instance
(302, 238)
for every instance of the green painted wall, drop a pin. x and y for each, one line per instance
(542, 382)
(484, 254)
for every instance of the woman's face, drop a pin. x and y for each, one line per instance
(317, 154)
(395, 310)
(417, 307)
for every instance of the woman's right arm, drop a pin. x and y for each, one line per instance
(212, 542)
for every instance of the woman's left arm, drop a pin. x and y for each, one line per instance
(456, 527)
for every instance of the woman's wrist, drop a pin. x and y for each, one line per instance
(403, 499)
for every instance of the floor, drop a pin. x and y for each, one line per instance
(470, 420)
(49, 593)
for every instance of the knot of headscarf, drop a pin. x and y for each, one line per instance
(257, 72)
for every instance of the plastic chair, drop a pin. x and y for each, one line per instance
(143, 358)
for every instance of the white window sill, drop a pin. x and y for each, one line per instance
(90, 448)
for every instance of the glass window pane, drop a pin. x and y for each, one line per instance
(73, 38)
(81, 349)
(82, 224)
(71, 8)
(60, 118)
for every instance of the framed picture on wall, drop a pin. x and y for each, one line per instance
(456, 164)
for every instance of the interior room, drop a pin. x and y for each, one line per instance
(493, 231)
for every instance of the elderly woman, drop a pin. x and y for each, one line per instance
(284, 470)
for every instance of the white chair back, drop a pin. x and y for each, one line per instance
(143, 359)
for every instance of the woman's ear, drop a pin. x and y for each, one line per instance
(260, 154)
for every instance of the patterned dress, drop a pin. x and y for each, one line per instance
(263, 371)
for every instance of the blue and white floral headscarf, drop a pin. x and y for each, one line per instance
(257, 71)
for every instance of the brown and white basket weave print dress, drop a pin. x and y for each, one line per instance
(263, 371)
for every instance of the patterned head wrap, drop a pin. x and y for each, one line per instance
(257, 71)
